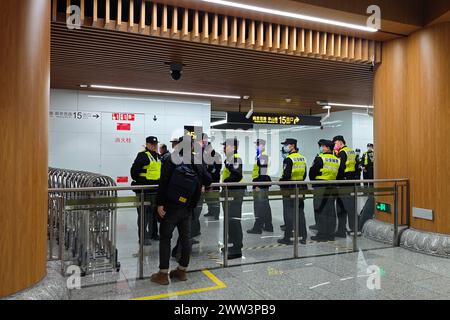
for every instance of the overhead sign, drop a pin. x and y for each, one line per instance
(75, 115)
(193, 131)
(273, 119)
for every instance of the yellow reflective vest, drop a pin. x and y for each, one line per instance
(298, 166)
(350, 165)
(256, 171)
(226, 173)
(330, 168)
(153, 169)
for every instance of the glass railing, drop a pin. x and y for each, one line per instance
(99, 229)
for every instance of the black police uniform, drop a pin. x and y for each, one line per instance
(150, 221)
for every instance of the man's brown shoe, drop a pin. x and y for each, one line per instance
(160, 278)
(178, 274)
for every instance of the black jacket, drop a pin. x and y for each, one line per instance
(137, 168)
(213, 162)
(234, 165)
(204, 179)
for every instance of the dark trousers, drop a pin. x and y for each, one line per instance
(214, 207)
(368, 175)
(345, 208)
(263, 212)
(148, 222)
(195, 226)
(235, 215)
(181, 219)
(289, 217)
(367, 212)
(325, 211)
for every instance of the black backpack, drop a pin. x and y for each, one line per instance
(183, 185)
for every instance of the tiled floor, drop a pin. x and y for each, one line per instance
(331, 274)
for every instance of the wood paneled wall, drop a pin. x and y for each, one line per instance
(412, 114)
(24, 99)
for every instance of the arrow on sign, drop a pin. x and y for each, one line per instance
(96, 116)
(297, 120)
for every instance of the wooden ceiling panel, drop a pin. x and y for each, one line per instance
(93, 56)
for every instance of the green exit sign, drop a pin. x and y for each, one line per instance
(383, 207)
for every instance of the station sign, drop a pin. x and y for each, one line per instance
(273, 119)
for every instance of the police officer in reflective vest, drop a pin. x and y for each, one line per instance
(233, 173)
(345, 204)
(146, 170)
(367, 163)
(294, 169)
(261, 204)
(325, 168)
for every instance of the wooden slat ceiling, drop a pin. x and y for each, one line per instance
(93, 56)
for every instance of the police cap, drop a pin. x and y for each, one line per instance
(151, 140)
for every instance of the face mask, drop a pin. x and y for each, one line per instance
(321, 149)
(286, 149)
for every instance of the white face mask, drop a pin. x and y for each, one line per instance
(286, 149)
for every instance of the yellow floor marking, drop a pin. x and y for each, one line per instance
(218, 285)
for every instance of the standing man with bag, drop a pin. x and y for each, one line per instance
(146, 170)
(179, 191)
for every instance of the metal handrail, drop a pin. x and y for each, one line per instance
(232, 184)
(226, 189)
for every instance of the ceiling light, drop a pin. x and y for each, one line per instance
(350, 105)
(218, 123)
(183, 93)
(292, 15)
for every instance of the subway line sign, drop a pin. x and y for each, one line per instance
(273, 119)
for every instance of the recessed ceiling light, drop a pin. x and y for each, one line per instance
(292, 15)
(183, 93)
(83, 85)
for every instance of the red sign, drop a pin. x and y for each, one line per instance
(123, 116)
(122, 179)
(124, 126)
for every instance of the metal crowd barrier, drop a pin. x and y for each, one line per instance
(85, 236)
(399, 190)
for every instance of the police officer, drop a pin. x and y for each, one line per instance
(214, 166)
(146, 170)
(294, 169)
(367, 164)
(164, 153)
(345, 204)
(261, 204)
(233, 173)
(358, 164)
(325, 168)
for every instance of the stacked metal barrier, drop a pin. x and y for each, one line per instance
(89, 234)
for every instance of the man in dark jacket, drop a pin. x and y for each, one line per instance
(146, 170)
(173, 214)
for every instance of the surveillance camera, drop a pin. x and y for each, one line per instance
(321, 127)
(176, 70)
(249, 114)
(155, 118)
